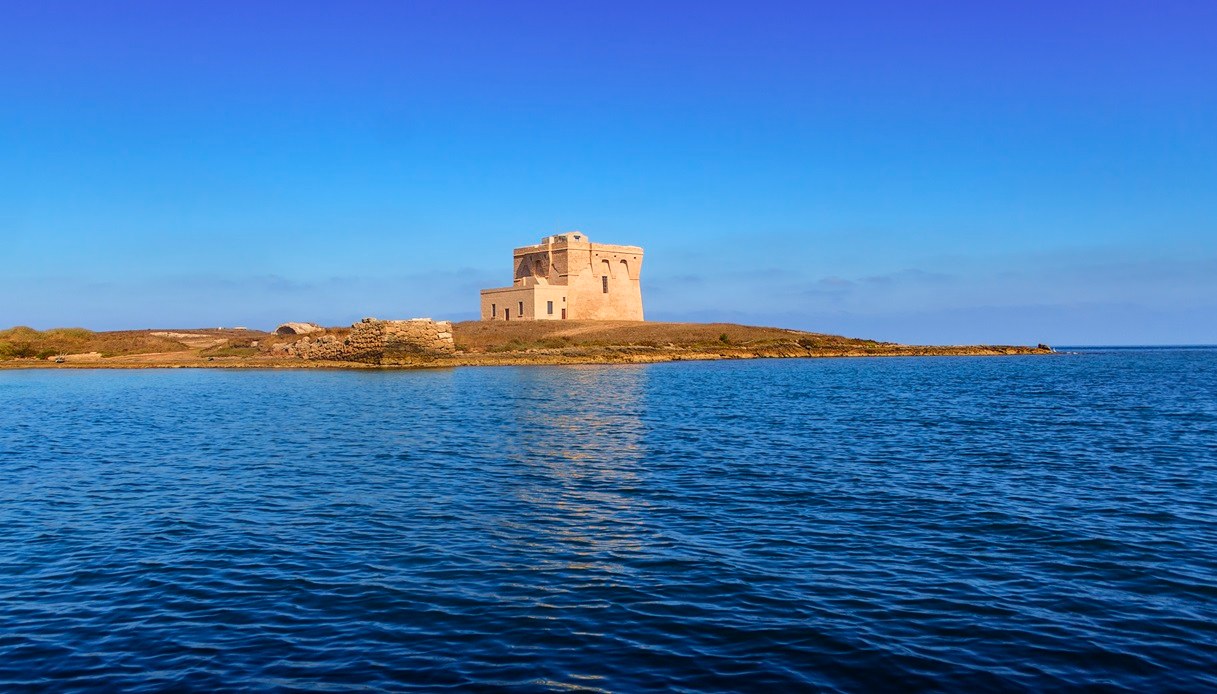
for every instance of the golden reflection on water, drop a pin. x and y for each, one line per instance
(582, 429)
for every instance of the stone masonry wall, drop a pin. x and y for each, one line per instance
(375, 341)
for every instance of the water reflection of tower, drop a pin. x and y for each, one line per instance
(578, 432)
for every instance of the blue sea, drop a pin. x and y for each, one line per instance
(950, 524)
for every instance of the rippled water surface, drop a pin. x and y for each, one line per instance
(959, 524)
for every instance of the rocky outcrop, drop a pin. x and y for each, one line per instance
(375, 341)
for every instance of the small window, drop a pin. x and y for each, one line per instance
(494, 311)
(521, 314)
(549, 307)
(604, 283)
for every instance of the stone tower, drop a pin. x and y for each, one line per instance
(567, 277)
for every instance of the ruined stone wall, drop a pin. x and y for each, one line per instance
(375, 341)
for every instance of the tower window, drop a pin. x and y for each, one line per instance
(494, 310)
(604, 283)
(521, 309)
(549, 307)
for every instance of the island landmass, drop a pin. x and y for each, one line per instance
(364, 345)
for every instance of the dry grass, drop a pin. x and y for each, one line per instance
(557, 342)
(26, 343)
(501, 336)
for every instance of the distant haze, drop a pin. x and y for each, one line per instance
(937, 173)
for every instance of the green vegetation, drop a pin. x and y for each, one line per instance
(515, 345)
(225, 351)
(243, 347)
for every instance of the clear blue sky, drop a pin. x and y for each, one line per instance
(930, 172)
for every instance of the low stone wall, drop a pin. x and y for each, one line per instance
(375, 341)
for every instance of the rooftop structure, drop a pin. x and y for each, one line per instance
(568, 277)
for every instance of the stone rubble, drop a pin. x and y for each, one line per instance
(375, 341)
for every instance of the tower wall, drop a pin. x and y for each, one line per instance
(592, 281)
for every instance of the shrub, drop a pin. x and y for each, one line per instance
(21, 350)
(232, 351)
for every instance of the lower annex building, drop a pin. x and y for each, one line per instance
(567, 277)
